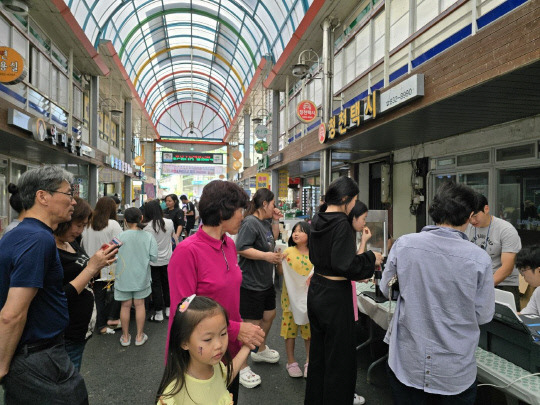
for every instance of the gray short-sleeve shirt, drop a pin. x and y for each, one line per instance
(257, 275)
(502, 238)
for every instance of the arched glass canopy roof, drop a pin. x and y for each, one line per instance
(191, 61)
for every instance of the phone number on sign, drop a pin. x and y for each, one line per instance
(402, 96)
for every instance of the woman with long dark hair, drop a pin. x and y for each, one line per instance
(102, 228)
(332, 365)
(163, 230)
(255, 245)
(174, 213)
(79, 269)
(206, 264)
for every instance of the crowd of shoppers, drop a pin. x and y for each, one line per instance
(55, 291)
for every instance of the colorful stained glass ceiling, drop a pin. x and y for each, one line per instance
(191, 61)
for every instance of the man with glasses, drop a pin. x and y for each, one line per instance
(501, 241)
(34, 365)
(528, 263)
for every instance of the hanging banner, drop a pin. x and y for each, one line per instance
(192, 157)
(261, 181)
(173, 168)
(283, 182)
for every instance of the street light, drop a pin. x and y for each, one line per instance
(16, 6)
(301, 69)
(115, 112)
(260, 116)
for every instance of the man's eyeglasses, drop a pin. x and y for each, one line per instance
(70, 194)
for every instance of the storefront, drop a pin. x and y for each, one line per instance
(508, 175)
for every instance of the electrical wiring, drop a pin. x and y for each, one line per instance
(509, 384)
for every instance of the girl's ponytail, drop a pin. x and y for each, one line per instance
(250, 208)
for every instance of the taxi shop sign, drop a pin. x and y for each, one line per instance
(306, 110)
(12, 68)
(372, 107)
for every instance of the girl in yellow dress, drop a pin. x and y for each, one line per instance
(296, 271)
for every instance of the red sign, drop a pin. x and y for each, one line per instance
(322, 133)
(306, 111)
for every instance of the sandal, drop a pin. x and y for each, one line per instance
(248, 378)
(107, 331)
(293, 370)
(142, 341)
(124, 342)
(115, 326)
(305, 369)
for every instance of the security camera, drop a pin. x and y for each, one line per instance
(300, 70)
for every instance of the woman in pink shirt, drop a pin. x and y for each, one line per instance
(206, 263)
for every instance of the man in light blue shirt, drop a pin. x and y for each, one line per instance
(445, 292)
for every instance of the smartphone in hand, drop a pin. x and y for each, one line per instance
(115, 241)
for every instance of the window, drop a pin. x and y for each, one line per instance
(399, 22)
(516, 152)
(473, 158)
(363, 61)
(479, 182)
(426, 10)
(338, 71)
(440, 179)
(77, 102)
(378, 37)
(350, 58)
(518, 201)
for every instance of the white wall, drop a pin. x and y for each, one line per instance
(403, 221)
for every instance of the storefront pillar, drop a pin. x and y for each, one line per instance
(128, 144)
(327, 93)
(247, 136)
(93, 177)
(274, 141)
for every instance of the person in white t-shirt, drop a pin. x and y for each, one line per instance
(528, 263)
(163, 230)
(103, 228)
(501, 241)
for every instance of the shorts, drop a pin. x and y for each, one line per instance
(254, 303)
(289, 329)
(128, 295)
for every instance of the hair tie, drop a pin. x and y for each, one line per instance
(185, 304)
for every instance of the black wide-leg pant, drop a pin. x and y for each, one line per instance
(332, 354)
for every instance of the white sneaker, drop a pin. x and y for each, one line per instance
(358, 400)
(158, 317)
(248, 378)
(268, 355)
(167, 311)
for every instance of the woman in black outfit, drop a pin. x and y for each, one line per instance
(332, 358)
(79, 269)
(175, 213)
